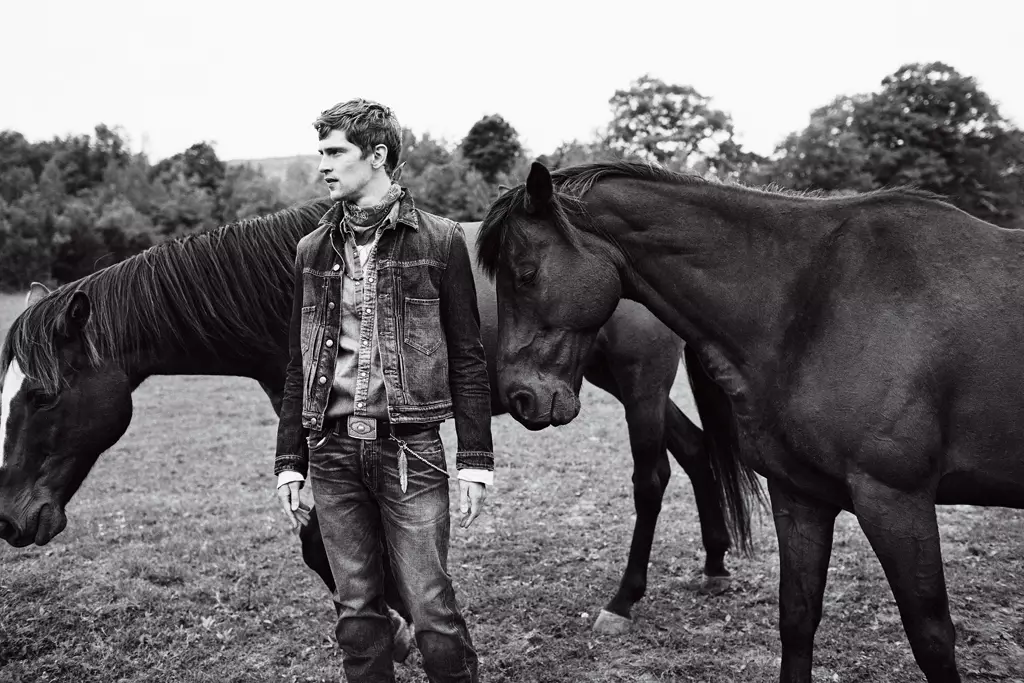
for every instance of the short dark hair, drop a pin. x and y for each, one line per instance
(366, 124)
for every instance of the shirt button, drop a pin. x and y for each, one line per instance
(366, 343)
(323, 380)
(330, 343)
(336, 267)
(330, 305)
(361, 404)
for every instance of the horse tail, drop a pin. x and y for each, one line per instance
(738, 484)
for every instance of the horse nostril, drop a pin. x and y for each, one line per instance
(521, 402)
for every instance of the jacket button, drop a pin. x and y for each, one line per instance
(330, 305)
(336, 267)
(323, 380)
(330, 343)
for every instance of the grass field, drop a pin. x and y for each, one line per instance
(177, 566)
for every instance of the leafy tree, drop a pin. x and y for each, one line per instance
(672, 125)
(302, 182)
(928, 126)
(199, 165)
(491, 146)
(18, 153)
(829, 154)
(246, 192)
(577, 152)
(25, 242)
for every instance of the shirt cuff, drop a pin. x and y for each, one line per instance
(289, 476)
(485, 477)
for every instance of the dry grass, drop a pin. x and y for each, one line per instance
(176, 566)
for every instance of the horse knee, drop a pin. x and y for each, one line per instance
(648, 493)
(933, 642)
(796, 630)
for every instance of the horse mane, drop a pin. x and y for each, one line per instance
(571, 184)
(230, 282)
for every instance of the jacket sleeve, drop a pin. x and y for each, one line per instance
(292, 452)
(467, 365)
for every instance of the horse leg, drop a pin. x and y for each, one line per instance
(688, 446)
(651, 471)
(904, 533)
(804, 528)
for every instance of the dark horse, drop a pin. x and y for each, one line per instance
(218, 303)
(869, 347)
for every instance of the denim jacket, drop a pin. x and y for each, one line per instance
(428, 332)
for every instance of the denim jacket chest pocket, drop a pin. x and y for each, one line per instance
(423, 331)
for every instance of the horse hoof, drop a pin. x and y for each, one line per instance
(715, 585)
(612, 624)
(708, 585)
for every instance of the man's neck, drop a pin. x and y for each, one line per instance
(374, 191)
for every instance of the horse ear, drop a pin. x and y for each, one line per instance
(502, 189)
(538, 188)
(36, 291)
(77, 313)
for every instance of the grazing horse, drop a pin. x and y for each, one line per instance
(869, 347)
(218, 303)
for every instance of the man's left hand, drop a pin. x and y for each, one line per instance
(471, 501)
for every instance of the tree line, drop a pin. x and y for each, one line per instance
(72, 205)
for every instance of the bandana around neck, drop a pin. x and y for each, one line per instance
(365, 217)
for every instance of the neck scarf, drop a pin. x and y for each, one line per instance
(360, 219)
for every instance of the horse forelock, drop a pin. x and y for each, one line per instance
(499, 229)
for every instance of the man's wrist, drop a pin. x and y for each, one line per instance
(485, 477)
(288, 476)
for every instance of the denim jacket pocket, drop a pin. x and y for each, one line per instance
(423, 324)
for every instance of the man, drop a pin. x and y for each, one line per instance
(385, 345)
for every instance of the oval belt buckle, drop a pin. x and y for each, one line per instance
(364, 428)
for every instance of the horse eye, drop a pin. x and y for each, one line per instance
(41, 400)
(528, 277)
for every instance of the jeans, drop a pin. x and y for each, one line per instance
(356, 489)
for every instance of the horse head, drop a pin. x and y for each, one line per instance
(543, 266)
(60, 409)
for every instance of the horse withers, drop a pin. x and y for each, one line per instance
(869, 347)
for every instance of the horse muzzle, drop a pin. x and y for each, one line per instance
(538, 407)
(39, 524)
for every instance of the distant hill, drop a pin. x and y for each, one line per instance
(277, 167)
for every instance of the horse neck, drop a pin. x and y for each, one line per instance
(256, 354)
(717, 264)
(221, 359)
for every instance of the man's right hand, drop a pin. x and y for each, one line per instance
(295, 511)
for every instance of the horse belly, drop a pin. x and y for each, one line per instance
(987, 469)
(984, 462)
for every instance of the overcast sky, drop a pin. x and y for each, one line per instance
(250, 77)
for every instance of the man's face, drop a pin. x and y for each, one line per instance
(343, 167)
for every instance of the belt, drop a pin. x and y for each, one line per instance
(384, 427)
